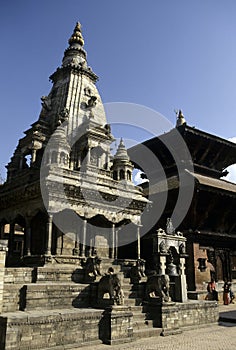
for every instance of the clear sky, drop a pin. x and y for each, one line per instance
(165, 55)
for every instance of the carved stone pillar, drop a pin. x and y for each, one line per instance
(113, 243)
(183, 283)
(33, 156)
(84, 238)
(49, 235)
(116, 244)
(162, 266)
(76, 248)
(88, 160)
(28, 235)
(138, 242)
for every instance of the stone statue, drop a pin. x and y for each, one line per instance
(92, 266)
(182, 249)
(46, 103)
(108, 129)
(92, 102)
(163, 248)
(170, 230)
(158, 287)
(63, 116)
(111, 284)
(137, 271)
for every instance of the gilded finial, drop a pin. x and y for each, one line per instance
(77, 36)
(180, 118)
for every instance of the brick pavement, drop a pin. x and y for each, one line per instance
(220, 336)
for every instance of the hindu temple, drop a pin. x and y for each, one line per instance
(75, 268)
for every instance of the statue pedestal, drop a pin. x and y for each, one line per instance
(169, 250)
(116, 325)
(163, 315)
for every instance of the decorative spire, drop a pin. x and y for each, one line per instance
(180, 118)
(77, 37)
(121, 153)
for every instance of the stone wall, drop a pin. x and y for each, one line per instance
(117, 326)
(46, 329)
(19, 275)
(172, 317)
(190, 314)
(3, 250)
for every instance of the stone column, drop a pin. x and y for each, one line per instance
(84, 238)
(3, 250)
(107, 160)
(11, 238)
(113, 241)
(138, 242)
(88, 156)
(76, 248)
(28, 236)
(49, 235)
(116, 244)
(33, 156)
(182, 277)
(162, 266)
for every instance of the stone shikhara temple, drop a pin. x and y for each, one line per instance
(75, 268)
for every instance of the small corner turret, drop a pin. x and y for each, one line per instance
(122, 166)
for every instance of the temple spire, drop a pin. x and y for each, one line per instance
(77, 37)
(121, 152)
(180, 118)
(75, 55)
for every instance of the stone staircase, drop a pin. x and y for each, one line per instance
(48, 299)
(133, 297)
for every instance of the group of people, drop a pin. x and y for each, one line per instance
(228, 294)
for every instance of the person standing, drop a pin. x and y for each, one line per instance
(226, 293)
(211, 288)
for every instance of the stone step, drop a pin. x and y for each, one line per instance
(146, 333)
(132, 302)
(136, 308)
(86, 345)
(51, 296)
(142, 324)
(139, 316)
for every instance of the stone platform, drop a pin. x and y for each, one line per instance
(49, 308)
(49, 329)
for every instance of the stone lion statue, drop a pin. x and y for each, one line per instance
(158, 287)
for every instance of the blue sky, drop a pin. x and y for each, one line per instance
(162, 54)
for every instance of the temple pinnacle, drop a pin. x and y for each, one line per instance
(77, 36)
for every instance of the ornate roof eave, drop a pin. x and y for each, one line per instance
(210, 183)
(192, 130)
(216, 235)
